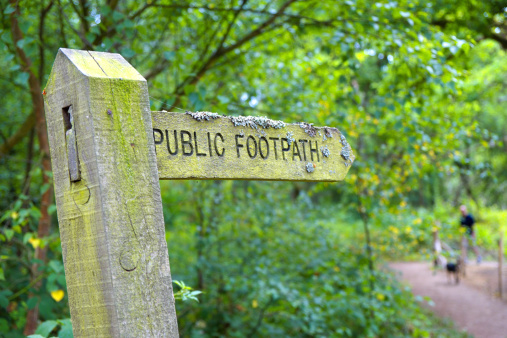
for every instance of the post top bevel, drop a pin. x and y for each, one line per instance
(101, 64)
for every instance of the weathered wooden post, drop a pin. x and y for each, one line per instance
(106, 148)
(108, 198)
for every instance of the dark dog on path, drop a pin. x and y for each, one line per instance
(453, 269)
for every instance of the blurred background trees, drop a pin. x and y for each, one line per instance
(418, 88)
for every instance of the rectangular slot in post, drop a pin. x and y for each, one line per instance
(70, 138)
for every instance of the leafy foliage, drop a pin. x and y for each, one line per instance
(417, 86)
(185, 293)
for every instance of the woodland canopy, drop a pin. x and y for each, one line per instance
(417, 86)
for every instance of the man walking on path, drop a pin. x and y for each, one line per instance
(468, 221)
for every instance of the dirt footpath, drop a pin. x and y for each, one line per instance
(471, 308)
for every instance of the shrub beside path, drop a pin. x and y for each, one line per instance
(470, 309)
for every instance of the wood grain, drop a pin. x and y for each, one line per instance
(207, 146)
(111, 223)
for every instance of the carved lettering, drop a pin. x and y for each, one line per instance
(226, 148)
(217, 145)
(274, 139)
(316, 150)
(196, 147)
(304, 149)
(248, 147)
(175, 142)
(263, 155)
(284, 150)
(185, 143)
(159, 132)
(295, 150)
(209, 145)
(237, 143)
(216, 148)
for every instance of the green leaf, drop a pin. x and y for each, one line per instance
(9, 233)
(57, 266)
(202, 92)
(90, 36)
(46, 328)
(6, 293)
(4, 325)
(35, 212)
(199, 105)
(169, 56)
(105, 10)
(117, 16)
(127, 52)
(66, 330)
(37, 261)
(32, 302)
(61, 280)
(26, 237)
(44, 188)
(9, 9)
(4, 302)
(21, 79)
(180, 284)
(194, 98)
(2, 276)
(223, 99)
(52, 209)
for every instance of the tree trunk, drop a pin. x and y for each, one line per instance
(40, 127)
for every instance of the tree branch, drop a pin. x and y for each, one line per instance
(40, 122)
(231, 23)
(84, 40)
(252, 10)
(111, 30)
(79, 14)
(18, 135)
(259, 30)
(500, 39)
(142, 9)
(219, 52)
(42, 45)
(62, 28)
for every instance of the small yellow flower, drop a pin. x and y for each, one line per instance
(35, 242)
(380, 296)
(57, 295)
(255, 303)
(336, 268)
(14, 215)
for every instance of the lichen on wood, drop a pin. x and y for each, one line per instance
(346, 151)
(325, 151)
(190, 147)
(308, 128)
(111, 222)
(202, 115)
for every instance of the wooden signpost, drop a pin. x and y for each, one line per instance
(205, 145)
(108, 152)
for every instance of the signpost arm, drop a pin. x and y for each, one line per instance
(108, 197)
